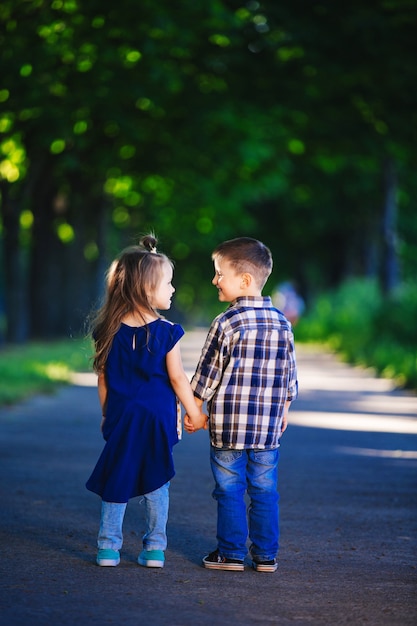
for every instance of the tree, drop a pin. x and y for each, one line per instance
(202, 121)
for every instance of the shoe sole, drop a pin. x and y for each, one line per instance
(150, 563)
(265, 568)
(108, 562)
(233, 567)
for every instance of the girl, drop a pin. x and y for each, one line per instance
(140, 373)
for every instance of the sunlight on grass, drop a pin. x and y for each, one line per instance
(41, 367)
(54, 371)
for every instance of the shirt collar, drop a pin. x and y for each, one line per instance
(256, 302)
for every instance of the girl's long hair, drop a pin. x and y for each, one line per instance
(130, 278)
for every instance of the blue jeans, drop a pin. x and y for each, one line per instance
(254, 472)
(156, 517)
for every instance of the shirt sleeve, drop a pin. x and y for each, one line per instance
(292, 392)
(210, 367)
(176, 332)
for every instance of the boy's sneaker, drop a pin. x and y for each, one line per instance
(265, 566)
(151, 558)
(215, 560)
(108, 558)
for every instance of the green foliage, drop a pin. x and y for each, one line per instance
(40, 367)
(344, 316)
(396, 320)
(368, 329)
(202, 121)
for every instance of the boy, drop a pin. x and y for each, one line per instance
(247, 373)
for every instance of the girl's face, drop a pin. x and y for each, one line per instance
(161, 298)
(227, 281)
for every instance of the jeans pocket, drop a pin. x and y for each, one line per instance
(266, 457)
(227, 455)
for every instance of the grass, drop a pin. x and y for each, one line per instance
(365, 328)
(39, 367)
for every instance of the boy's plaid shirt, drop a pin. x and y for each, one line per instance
(247, 371)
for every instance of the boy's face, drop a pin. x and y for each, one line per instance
(227, 281)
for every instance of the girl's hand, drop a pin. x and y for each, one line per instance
(188, 425)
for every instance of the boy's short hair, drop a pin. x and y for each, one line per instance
(246, 254)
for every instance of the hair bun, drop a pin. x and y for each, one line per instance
(149, 242)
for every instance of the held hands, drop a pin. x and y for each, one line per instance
(192, 425)
(198, 420)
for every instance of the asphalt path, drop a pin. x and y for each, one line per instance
(348, 485)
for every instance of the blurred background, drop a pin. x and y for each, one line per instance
(293, 122)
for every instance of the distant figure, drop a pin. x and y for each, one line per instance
(287, 300)
(140, 373)
(247, 373)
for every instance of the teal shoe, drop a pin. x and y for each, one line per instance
(108, 558)
(151, 558)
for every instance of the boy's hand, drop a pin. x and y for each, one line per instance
(284, 422)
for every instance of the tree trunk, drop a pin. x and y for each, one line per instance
(15, 305)
(46, 286)
(390, 263)
(84, 278)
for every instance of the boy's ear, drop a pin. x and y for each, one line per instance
(246, 280)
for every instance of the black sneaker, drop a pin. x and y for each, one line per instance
(265, 566)
(215, 560)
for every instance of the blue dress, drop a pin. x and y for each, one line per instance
(140, 429)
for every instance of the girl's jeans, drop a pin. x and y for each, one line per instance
(156, 516)
(235, 473)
